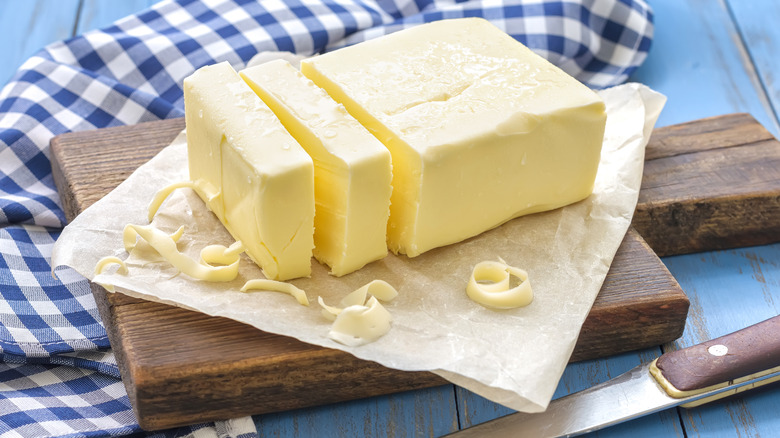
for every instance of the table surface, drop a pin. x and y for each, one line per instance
(708, 58)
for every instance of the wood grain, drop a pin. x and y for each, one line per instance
(729, 288)
(208, 368)
(761, 40)
(698, 61)
(710, 184)
(639, 302)
(474, 409)
(712, 58)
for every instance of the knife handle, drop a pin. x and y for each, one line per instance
(740, 356)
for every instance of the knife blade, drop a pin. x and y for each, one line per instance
(689, 377)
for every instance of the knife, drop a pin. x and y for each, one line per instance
(689, 377)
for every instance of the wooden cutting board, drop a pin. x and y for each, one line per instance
(699, 191)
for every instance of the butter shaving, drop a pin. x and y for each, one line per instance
(358, 325)
(497, 294)
(110, 260)
(201, 187)
(103, 263)
(165, 244)
(377, 288)
(329, 312)
(276, 286)
(359, 321)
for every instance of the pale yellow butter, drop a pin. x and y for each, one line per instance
(481, 130)
(260, 181)
(360, 318)
(489, 285)
(276, 286)
(352, 169)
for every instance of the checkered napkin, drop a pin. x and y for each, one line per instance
(58, 376)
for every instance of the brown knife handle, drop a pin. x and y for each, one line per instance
(727, 358)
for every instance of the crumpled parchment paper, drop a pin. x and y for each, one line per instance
(513, 357)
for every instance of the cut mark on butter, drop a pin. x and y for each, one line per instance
(359, 321)
(165, 244)
(103, 263)
(201, 187)
(489, 285)
(276, 286)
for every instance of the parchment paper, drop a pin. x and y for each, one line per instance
(513, 357)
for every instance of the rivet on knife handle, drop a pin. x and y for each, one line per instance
(737, 357)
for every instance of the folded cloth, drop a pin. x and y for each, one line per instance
(58, 376)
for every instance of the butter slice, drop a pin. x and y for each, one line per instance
(264, 180)
(481, 129)
(352, 169)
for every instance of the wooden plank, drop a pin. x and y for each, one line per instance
(426, 412)
(745, 281)
(291, 369)
(730, 161)
(732, 289)
(586, 374)
(222, 369)
(699, 61)
(695, 62)
(755, 21)
(96, 14)
(30, 25)
(637, 306)
(578, 376)
(678, 52)
(656, 314)
(113, 164)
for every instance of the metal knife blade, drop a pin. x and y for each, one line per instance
(739, 361)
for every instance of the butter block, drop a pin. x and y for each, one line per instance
(352, 169)
(261, 179)
(481, 129)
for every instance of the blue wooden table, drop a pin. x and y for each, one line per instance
(709, 58)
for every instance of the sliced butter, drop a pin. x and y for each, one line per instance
(352, 169)
(481, 130)
(261, 182)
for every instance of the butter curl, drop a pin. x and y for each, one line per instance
(165, 244)
(103, 263)
(489, 285)
(359, 320)
(201, 187)
(276, 286)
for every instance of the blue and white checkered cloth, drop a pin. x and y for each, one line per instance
(58, 376)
